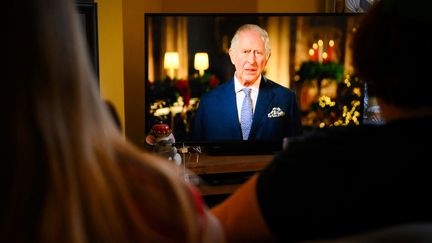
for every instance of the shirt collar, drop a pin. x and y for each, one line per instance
(238, 87)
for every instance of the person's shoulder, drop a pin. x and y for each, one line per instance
(323, 147)
(340, 132)
(335, 138)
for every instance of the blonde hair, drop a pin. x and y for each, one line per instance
(68, 174)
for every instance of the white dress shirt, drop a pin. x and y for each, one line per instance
(240, 94)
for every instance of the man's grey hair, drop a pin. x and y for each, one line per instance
(249, 27)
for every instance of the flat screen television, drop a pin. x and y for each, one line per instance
(311, 55)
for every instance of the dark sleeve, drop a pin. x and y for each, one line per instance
(272, 195)
(240, 215)
(294, 198)
(321, 187)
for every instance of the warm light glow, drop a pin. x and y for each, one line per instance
(331, 54)
(324, 55)
(171, 62)
(162, 111)
(357, 91)
(320, 51)
(176, 109)
(311, 52)
(315, 46)
(201, 62)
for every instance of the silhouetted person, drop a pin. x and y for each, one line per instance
(345, 181)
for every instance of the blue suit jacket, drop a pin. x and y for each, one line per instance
(217, 119)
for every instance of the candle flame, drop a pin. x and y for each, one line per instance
(311, 52)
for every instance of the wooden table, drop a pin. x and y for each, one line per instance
(224, 165)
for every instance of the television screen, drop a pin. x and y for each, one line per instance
(187, 56)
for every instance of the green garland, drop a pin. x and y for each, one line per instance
(314, 70)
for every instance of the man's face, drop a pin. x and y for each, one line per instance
(249, 57)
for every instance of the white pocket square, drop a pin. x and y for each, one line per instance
(276, 112)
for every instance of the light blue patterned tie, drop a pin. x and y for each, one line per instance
(246, 114)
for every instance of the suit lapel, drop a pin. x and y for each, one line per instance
(228, 103)
(265, 97)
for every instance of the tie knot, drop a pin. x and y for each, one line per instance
(247, 91)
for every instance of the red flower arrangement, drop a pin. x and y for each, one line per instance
(174, 101)
(169, 90)
(184, 90)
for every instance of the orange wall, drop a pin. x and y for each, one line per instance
(133, 40)
(110, 36)
(278, 6)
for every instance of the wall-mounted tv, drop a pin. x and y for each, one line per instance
(311, 55)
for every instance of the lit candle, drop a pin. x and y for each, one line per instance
(320, 51)
(313, 53)
(325, 56)
(331, 51)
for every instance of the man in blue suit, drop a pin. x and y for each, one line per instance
(272, 109)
